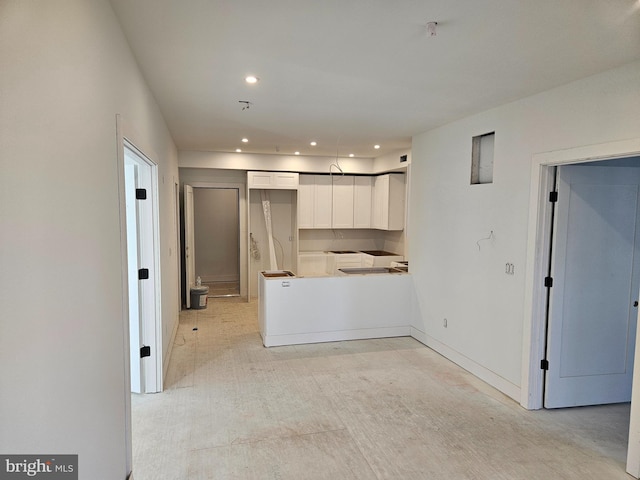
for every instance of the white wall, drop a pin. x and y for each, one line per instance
(467, 284)
(66, 72)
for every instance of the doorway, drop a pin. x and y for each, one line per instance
(593, 284)
(537, 267)
(213, 239)
(216, 220)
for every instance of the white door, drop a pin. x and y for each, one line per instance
(135, 323)
(592, 319)
(143, 271)
(189, 243)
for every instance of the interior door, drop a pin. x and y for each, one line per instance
(135, 320)
(592, 319)
(189, 243)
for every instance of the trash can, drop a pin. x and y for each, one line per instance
(199, 297)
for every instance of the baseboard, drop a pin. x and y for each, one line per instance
(167, 357)
(484, 374)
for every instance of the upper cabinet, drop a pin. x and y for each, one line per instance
(342, 201)
(322, 202)
(306, 204)
(272, 180)
(348, 201)
(314, 201)
(362, 201)
(388, 202)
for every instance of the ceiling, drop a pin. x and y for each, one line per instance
(350, 74)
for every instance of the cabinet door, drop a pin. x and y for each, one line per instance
(260, 180)
(381, 202)
(286, 180)
(342, 197)
(362, 198)
(322, 202)
(395, 202)
(306, 189)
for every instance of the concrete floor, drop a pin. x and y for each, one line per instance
(367, 409)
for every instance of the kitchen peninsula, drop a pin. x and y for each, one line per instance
(355, 303)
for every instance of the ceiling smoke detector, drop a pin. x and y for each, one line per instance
(431, 28)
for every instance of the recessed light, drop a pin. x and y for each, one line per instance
(313, 144)
(376, 147)
(245, 140)
(296, 153)
(351, 155)
(251, 79)
(238, 150)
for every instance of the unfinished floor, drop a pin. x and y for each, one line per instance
(367, 409)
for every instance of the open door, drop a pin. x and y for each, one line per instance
(145, 328)
(135, 320)
(189, 243)
(595, 275)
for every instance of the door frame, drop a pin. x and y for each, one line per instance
(243, 225)
(538, 247)
(189, 242)
(126, 133)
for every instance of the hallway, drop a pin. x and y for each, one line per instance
(370, 409)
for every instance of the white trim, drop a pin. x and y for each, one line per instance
(124, 279)
(533, 335)
(484, 374)
(167, 358)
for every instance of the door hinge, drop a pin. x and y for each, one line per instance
(143, 274)
(553, 197)
(544, 364)
(145, 351)
(548, 281)
(141, 193)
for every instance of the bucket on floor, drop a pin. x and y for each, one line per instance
(199, 297)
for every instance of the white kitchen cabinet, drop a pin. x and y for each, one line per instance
(342, 191)
(336, 261)
(362, 201)
(348, 201)
(388, 202)
(293, 310)
(306, 192)
(314, 201)
(273, 180)
(322, 202)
